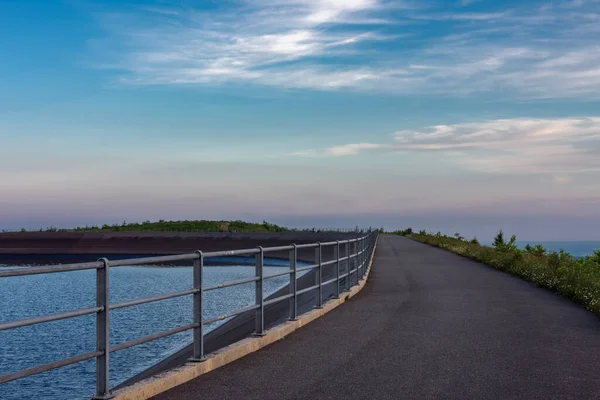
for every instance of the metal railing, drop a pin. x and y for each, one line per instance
(357, 255)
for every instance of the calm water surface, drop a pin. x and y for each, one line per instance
(30, 296)
(576, 248)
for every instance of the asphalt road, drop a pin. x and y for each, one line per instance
(428, 325)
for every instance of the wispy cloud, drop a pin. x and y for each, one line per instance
(343, 150)
(258, 42)
(558, 147)
(545, 50)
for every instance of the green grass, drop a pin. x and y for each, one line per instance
(575, 278)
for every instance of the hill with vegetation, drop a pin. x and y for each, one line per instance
(187, 226)
(177, 226)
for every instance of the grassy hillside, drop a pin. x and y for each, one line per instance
(187, 226)
(179, 226)
(575, 278)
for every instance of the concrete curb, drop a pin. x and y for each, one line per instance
(180, 375)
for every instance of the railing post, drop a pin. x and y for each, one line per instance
(356, 259)
(294, 284)
(102, 332)
(198, 354)
(362, 258)
(359, 263)
(366, 256)
(260, 299)
(367, 253)
(318, 257)
(372, 245)
(337, 269)
(348, 265)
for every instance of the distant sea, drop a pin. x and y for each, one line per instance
(576, 248)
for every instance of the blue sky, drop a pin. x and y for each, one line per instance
(468, 115)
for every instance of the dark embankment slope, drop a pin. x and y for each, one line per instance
(48, 247)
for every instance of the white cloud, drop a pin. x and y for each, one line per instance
(256, 42)
(339, 151)
(352, 149)
(559, 147)
(332, 10)
(532, 52)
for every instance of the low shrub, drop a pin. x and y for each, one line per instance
(404, 232)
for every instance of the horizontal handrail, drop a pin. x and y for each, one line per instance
(152, 260)
(278, 248)
(307, 268)
(330, 243)
(50, 270)
(278, 274)
(330, 281)
(49, 318)
(307, 246)
(278, 299)
(308, 289)
(135, 342)
(229, 284)
(165, 296)
(229, 315)
(50, 366)
(223, 253)
(354, 261)
(325, 263)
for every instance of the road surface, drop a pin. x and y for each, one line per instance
(428, 325)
